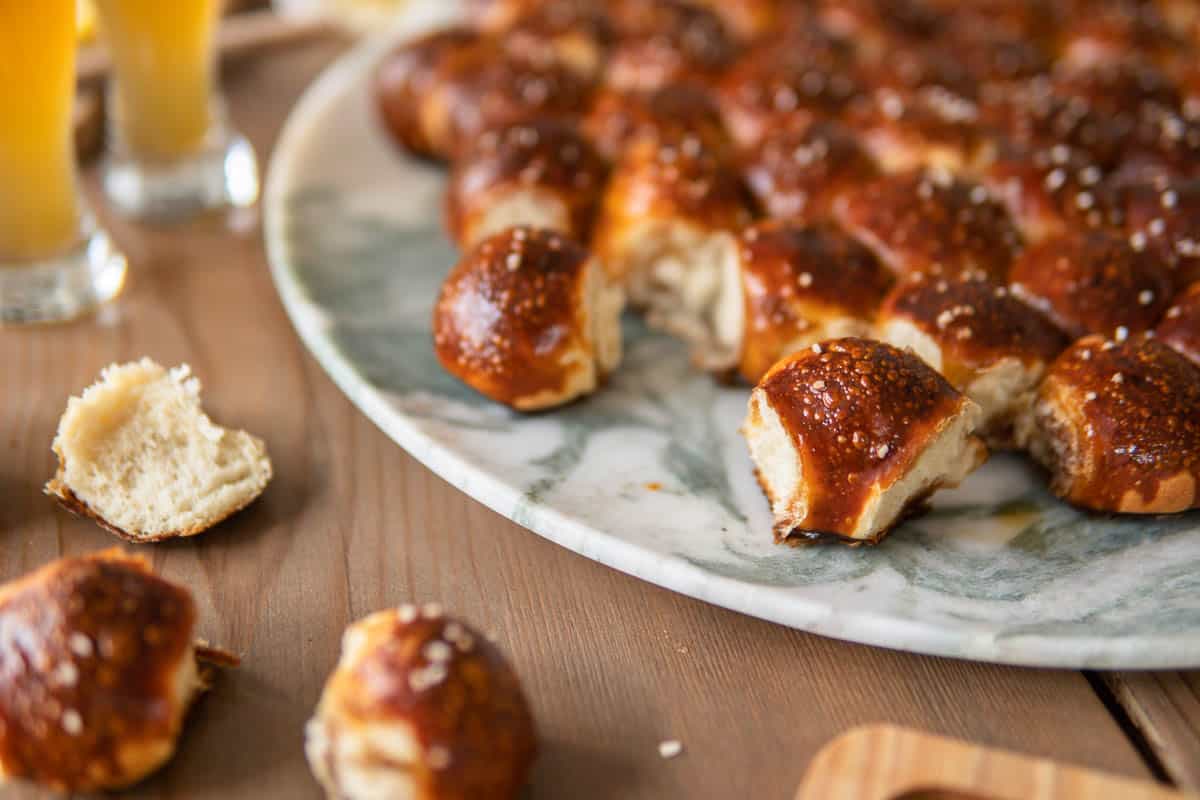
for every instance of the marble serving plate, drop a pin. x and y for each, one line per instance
(650, 476)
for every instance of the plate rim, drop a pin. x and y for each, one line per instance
(1170, 651)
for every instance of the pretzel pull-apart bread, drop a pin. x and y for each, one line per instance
(98, 667)
(420, 707)
(541, 173)
(931, 221)
(1117, 424)
(529, 319)
(988, 344)
(1094, 282)
(137, 454)
(851, 435)
(796, 284)
(666, 226)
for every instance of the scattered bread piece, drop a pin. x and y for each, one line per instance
(137, 454)
(420, 707)
(98, 667)
(850, 436)
(1117, 424)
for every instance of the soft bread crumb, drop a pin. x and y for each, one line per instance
(138, 454)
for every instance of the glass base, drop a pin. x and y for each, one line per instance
(222, 175)
(64, 286)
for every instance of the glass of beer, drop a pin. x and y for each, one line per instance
(171, 152)
(55, 263)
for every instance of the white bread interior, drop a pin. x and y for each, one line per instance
(687, 279)
(513, 206)
(951, 453)
(137, 452)
(1004, 391)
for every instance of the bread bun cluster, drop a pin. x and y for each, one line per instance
(899, 220)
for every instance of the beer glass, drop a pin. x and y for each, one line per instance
(55, 262)
(171, 150)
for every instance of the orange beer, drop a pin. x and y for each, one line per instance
(39, 209)
(164, 63)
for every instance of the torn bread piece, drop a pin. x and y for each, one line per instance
(420, 707)
(98, 667)
(850, 436)
(137, 454)
(991, 346)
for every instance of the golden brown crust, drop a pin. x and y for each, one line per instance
(974, 323)
(798, 170)
(795, 277)
(487, 87)
(90, 653)
(509, 313)
(860, 412)
(1180, 326)
(453, 689)
(576, 33)
(405, 80)
(1123, 424)
(1111, 32)
(878, 27)
(774, 86)
(543, 155)
(660, 42)
(1163, 215)
(57, 488)
(905, 129)
(930, 221)
(1052, 190)
(748, 20)
(1093, 282)
(684, 180)
(616, 119)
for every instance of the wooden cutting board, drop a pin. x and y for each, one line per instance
(886, 762)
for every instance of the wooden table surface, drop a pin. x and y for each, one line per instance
(352, 524)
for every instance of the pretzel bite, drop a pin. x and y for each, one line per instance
(405, 82)
(1163, 216)
(930, 126)
(576, 33)
(1051, 191)
(850, 436)
(487, 87)
(528, 319)
(1117, 424)
(617, 118)
(1093, 282)
(666, 227)
(930, 221)
(801, 284)
(799, 169)
(1033, 115)
(770, 87)
(990, 346)
(420, 707)
(97, 670)
(660, 42)
(1180, 326)
(542, 173)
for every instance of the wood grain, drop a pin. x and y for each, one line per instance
(885, 762)
(352, 524)
(1165, 707)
